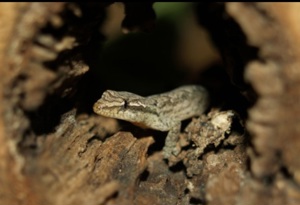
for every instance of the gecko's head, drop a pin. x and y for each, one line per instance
(118, 105)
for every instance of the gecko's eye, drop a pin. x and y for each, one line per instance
(125, 104)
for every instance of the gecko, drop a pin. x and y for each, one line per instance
(163, 112)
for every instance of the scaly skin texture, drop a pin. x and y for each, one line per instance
(162, 112)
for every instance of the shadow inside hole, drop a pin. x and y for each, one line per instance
(48, 116)
(194, 201)
(142, 63)
(178, 167)
(144, 176)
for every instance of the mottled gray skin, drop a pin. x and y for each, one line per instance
(162, 112)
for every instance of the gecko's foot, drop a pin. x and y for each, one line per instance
(169, 151)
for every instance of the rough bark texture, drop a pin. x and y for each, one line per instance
(54, 150)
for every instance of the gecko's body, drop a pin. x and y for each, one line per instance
(162, 112)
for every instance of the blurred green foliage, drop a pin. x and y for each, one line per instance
(171, 10)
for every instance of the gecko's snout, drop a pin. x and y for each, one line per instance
(96, 107)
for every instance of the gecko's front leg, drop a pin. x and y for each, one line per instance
(170, 147)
